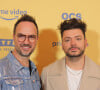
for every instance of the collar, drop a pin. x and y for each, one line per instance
(16, 65)
(91, 69)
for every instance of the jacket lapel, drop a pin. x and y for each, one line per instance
(58, 80)
(90, 72)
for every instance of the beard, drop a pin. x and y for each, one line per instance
(75, 55)
(21, 52)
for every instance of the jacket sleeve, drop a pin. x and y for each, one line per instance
(0, 85)
(44, 79)
(0, 80)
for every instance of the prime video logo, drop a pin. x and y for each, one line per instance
(11, 14)
(6, 42)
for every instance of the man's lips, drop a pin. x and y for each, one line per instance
(74, 49)
(26, 48)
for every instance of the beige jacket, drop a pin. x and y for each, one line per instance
(54, 77)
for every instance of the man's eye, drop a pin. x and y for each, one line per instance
(78, 38)
(21, 35)
(67, 40)
(33, 36)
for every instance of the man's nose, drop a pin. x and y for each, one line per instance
(26, 40)
(73, 42)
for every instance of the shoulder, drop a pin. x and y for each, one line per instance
(90, 63)
(52, 69)
(3, 61)
(92, 67)
(3, 65)
(54, 66)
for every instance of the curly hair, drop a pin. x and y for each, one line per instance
(72, 24)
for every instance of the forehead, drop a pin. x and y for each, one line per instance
(26, 28)
(73, 33)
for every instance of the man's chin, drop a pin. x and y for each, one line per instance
(74, 55)
(25, 55)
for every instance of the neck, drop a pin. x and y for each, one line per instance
(75, 63)
(24, 61)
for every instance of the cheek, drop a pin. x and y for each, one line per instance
(82, 45)
(17, 44)
(16, 41)
(65, 46)
(34, 44)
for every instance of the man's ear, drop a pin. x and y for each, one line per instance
(13, 36)
(86, 44)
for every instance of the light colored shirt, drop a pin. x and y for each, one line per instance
(14, 76)
(74, 78)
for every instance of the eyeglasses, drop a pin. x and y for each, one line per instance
(22, 37)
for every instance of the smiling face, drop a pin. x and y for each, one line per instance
(25, 38)
(73, 42)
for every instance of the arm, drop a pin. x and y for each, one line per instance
(43, 79)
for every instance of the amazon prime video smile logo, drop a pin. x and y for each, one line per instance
(11, 14)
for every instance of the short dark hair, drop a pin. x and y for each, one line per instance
(25, 17)
(72, 24)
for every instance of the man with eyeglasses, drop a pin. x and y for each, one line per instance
(17, 72)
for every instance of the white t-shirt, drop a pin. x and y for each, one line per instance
(74, 78)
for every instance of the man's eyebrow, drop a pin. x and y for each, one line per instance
(78, 36)
(26, 35)
(70, 37)
(20, 34)
(67, 37)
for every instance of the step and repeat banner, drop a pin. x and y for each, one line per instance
(49, 14)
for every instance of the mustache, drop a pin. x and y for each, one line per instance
(73, 47)
(23, 45)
